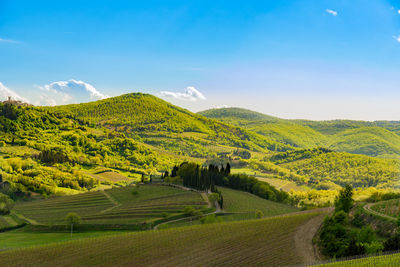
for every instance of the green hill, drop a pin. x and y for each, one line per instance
(164, 125)
(323, 167)
(378, 139)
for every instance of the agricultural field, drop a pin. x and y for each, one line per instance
(284, 185)
(389, 207)
(269, 241)
(20, 238)
(124, 205)
(7, 221)
(242, 202)
(377, 261)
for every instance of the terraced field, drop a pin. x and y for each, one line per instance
(54, 210)
(264, 242)
(389, 208)
(125, 205)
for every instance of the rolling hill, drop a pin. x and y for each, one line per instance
(377, 139)
(159, 123)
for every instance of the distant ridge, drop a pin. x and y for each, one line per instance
(378, 138)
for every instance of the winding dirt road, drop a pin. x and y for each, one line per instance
(303, 239)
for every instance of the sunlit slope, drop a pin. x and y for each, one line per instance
(372, 141)
(378, 139)
(156, 121)
(323, 167)
(279, 130)
(264, 242)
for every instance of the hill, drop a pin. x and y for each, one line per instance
(243, 243)
(280, 130)
(161, 124)
(378, 139)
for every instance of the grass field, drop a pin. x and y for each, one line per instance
(243, 202)
(377, 261)
(114, 206)
(390, 207)
(264, 242)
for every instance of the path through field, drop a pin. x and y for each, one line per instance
(304, 238)
(367, 207)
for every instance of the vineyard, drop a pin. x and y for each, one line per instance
(256, 242)
(377, 261)
(125, 205)
(243, 202)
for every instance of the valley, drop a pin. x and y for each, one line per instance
(140, 174)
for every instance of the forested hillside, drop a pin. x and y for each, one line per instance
(377, 139)
(47, 153)
(164, 125)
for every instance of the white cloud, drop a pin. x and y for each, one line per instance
(7, 92)
(222, 106)
(7, 41)
(332, 12)
(68, 92)
(190, 94)
(397, 38)
(398, 11)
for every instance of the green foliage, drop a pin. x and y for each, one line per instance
(212, 218)
(342, 169)
(6, 204)
(259, 214)
(72, 219)
(344, 201)
(156, 121)
(379, 138)
(191, 211)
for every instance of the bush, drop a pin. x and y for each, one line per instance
(259, 214)
(6, 204)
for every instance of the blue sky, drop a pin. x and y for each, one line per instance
(323, 59)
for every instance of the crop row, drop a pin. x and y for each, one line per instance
(267, 242)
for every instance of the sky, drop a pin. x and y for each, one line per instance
(320, 60)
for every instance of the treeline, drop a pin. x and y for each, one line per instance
(206, 178)
(299, 154)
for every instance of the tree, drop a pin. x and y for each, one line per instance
(6, 204)
(345, 199)
(72, 219)
(259, 214)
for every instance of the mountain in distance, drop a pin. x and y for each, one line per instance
(377, 139)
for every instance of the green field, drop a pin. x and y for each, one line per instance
(242, 202)
(378, 261)
(255, 242)
(20, 238)
(7, 221)
(114, 206)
